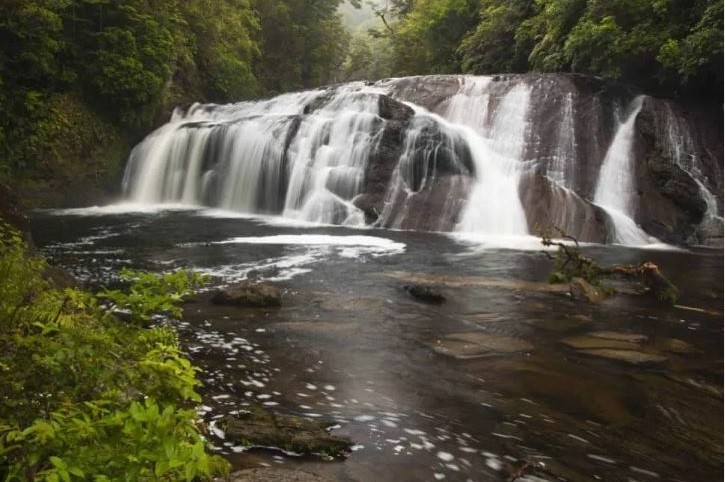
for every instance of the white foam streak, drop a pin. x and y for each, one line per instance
(374, 244)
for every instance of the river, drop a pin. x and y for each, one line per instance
(351, 346)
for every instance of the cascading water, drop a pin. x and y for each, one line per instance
(476, 159)
(494, 206)
(560, 165)
(615, 188)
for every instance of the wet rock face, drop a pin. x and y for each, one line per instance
(547, 204)
(670, 204)
(668, 198)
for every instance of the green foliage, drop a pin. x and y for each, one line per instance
(149, 294)
(662, 45)
(86, 395)
(426, 39)
(302, 42)
(492, 45)
(125, 65)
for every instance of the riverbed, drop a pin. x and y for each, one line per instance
(490, 384)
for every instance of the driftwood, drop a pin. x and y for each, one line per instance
(571, 263)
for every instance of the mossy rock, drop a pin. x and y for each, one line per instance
(289, 433)
(249, 295)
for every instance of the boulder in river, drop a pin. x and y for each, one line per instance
(248, 295)
(288, 433)
(426, 294)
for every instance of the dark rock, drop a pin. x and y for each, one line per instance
(248, 295)
(437, 207)
(391, 109)
(289, 433)
(670, 204)
(425, 294)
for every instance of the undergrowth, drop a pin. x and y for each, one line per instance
(86, 394)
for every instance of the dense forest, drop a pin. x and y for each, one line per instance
(667, 47)
(82, 80)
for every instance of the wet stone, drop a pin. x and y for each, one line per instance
(627, 356)
(478, 345)
(288, 433)
(601, 340)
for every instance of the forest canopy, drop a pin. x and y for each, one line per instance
(667, 47)
(81, 81)
(121, 65)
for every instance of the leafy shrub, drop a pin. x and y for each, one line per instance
(85, 395)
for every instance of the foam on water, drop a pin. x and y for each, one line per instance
(485, 242)
(372, 243)
(122, 208)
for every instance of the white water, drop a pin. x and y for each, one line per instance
(615, 188)
(494, 206)
(560, 166)
(303, 158)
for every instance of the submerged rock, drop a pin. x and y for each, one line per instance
(478, 345)
(673, 345)
(627, 356)
(425, 294)
(561, 325)
(623, 347)
(597, 340)
(273, 475)
(248, 295)
(288, 433)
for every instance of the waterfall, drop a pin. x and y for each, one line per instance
(615, 188)
(494, 206)
(492, 155)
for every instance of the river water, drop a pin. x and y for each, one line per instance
(349, 345)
